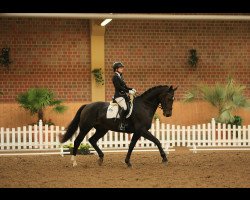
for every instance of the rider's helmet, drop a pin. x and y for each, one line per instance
(116, 65)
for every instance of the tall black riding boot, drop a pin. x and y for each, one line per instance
(122, 120)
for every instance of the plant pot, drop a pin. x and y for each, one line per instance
(80, 151)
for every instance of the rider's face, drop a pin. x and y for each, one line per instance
(120, 69)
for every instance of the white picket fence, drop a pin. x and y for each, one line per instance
(45, 140)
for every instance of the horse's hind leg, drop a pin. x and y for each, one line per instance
(93, 141)
(83, 132)
(132, 144)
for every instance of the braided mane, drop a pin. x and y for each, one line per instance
(150, 89)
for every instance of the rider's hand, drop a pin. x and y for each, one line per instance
(131, 92)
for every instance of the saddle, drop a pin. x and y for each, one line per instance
(114, 109)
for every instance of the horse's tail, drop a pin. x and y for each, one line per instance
(72, 126)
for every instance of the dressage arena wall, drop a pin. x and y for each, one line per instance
(40, 139)
(56, 54)
(11, 115)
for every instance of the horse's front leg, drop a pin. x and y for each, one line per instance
(149, 136)
(132, 144)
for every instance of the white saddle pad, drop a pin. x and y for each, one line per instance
(112, 111)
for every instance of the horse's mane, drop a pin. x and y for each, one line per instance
(150, 89)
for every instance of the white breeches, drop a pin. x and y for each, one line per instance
(121, 101)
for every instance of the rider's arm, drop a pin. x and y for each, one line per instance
(117, 84)
(128, 88)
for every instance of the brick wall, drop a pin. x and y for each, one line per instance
(52, 53)
(55, 53)
(156, 52)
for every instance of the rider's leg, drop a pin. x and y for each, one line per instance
(122, 119)
(121, 101)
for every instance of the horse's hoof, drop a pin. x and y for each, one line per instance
(129, 165)
(100, 161)
(165, 161)
(72, 158)
(74, 163)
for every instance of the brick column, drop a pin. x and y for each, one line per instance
(97, 59)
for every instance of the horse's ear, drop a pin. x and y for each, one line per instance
(171, 88)
(176, 88)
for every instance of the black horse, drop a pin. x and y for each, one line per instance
(94, 115)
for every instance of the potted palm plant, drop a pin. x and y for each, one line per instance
(226, 98)
(36, 100)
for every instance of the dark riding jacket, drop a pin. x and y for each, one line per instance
(120, 86)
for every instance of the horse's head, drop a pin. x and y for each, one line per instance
(166, 101)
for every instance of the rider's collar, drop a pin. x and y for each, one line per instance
(118, 74)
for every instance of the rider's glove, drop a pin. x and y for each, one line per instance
(134, 90)
(131, 92)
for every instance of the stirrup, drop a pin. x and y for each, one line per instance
(122, 127)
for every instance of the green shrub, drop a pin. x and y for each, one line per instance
(237, 121)
(82, 149)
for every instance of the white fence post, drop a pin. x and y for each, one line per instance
(24, 137)
(204, 139)
(41, 134)
(36, 135)
(45, 134)
(229, 133)
(13, 138)
(115, 139)
(178, 139)
(188, 136)
(219, 134)
(183, 130)
(224, 134)
(199, 134)
(30, 137)
(2, 138)
(8, 138)
(193, 136)
(163, 135)
(213, 132)
(209, 134)
(168, 134)
(52, 136)
(173, 130)
(239, 136)
(234, 136)
(244, 135)
(19, 137)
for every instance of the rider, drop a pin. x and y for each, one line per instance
(121, 91)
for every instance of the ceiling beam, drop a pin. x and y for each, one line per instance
(149, 16)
